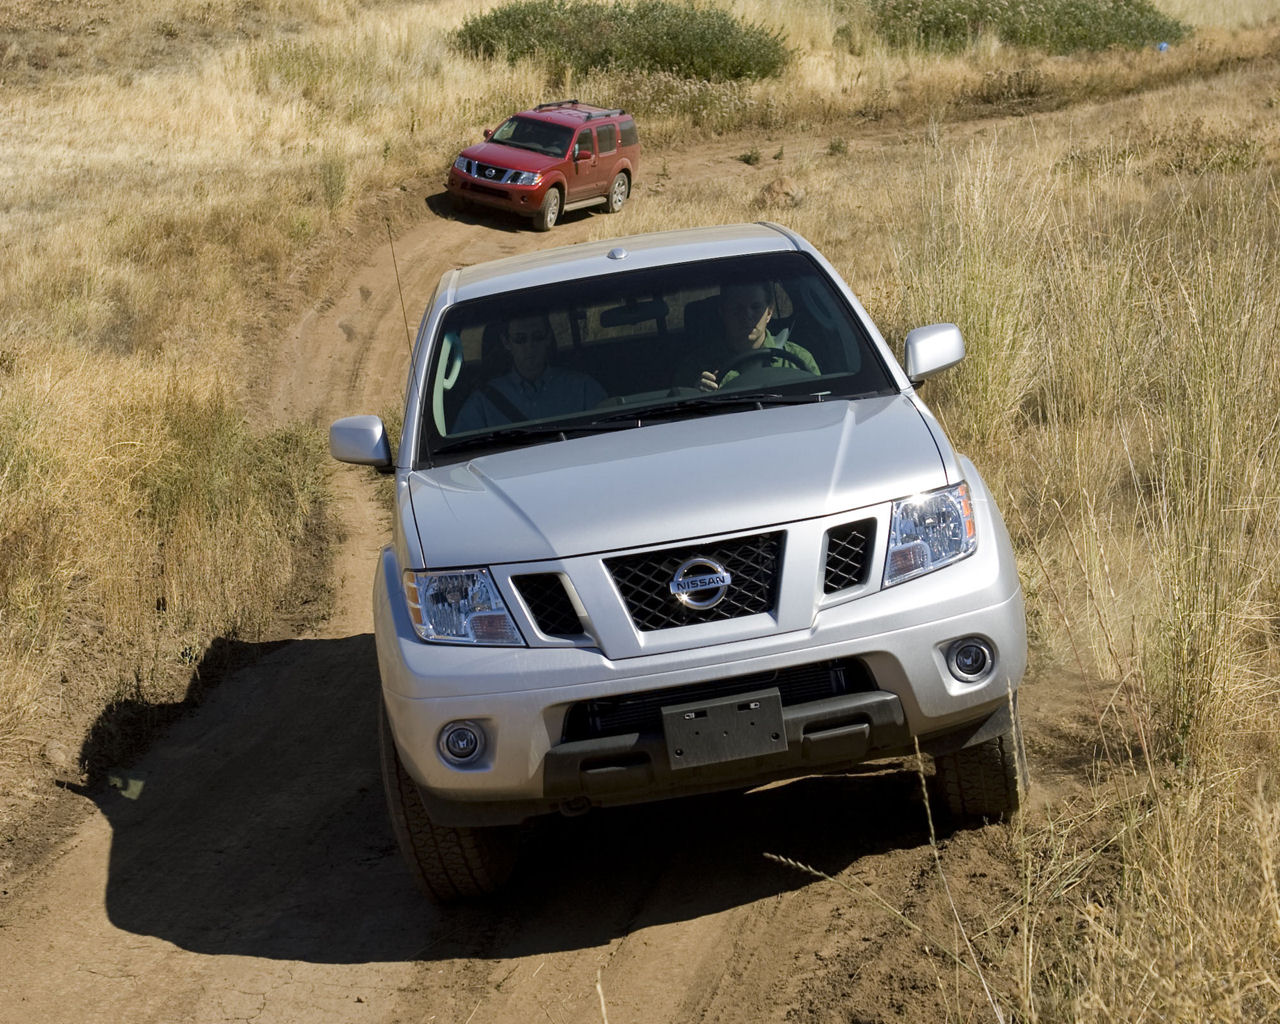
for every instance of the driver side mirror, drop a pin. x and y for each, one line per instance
(361, 440)
(930, 350)
(488, 134)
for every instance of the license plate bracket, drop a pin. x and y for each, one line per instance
(724, 729)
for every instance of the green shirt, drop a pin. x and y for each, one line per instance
(691, 369)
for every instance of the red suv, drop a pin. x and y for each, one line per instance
(549, 160)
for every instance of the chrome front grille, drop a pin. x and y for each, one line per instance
(644, 581)
(491, 172)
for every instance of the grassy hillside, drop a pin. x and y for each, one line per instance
(175, 173)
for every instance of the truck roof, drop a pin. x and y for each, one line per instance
(615, 255)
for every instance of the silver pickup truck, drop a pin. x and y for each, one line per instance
(670, 518)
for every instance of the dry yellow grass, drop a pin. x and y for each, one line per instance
(165, 173)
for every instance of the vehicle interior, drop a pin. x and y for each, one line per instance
(645, 338)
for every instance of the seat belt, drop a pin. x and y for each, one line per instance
(503, 404)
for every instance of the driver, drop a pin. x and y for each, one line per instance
(534, 388)
(745, 311)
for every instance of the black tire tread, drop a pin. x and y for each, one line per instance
(449, 864)
(982, 781)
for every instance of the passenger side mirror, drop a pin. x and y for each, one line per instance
(930, 350)
(488, 134)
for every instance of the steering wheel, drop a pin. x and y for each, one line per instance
(763, 356)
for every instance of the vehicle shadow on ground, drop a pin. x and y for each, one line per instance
(446, 207)
(256, 826)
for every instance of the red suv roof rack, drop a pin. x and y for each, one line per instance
(588, 115)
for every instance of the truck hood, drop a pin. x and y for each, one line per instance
(671, 482)
(511, 157)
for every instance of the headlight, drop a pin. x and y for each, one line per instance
(929, 531)
(525, 178)
(460, 164)
(462, 607)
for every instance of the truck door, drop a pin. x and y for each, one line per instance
(584, 177)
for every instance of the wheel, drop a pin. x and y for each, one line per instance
(619, 191)
(549, 212)
(449, 864)
(982, 781)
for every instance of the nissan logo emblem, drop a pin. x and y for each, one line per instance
(700, 583)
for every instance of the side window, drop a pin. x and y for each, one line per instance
(607, 135)
(630, 137)
(583, 145)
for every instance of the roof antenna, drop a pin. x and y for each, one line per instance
(403, 312)
(426, 447)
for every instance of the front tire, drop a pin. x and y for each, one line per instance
(983, 781)
(448, 864)
(549, 212)
(619, 191)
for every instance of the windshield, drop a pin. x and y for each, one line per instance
(538, 136)
(623, 350)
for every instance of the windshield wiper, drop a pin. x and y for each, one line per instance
(763, 398)
(691, 405)
(515, 435)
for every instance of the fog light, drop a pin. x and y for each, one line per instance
(461, 742)
(970, 659)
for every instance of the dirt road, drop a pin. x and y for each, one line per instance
(245, 871)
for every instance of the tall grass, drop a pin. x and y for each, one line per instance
(1134, 362)
(1123, 386)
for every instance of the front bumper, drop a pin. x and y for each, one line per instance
(521, 199)
(521, 696)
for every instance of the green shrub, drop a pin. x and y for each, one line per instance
(634, 35)
(1055, 26)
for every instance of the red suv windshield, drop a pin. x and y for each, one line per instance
(538, 136)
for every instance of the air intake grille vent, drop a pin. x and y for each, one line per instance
(849, 548)
(548, 603)
(645, 581)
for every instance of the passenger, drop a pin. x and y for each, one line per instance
(743, 326)
(534, 388)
